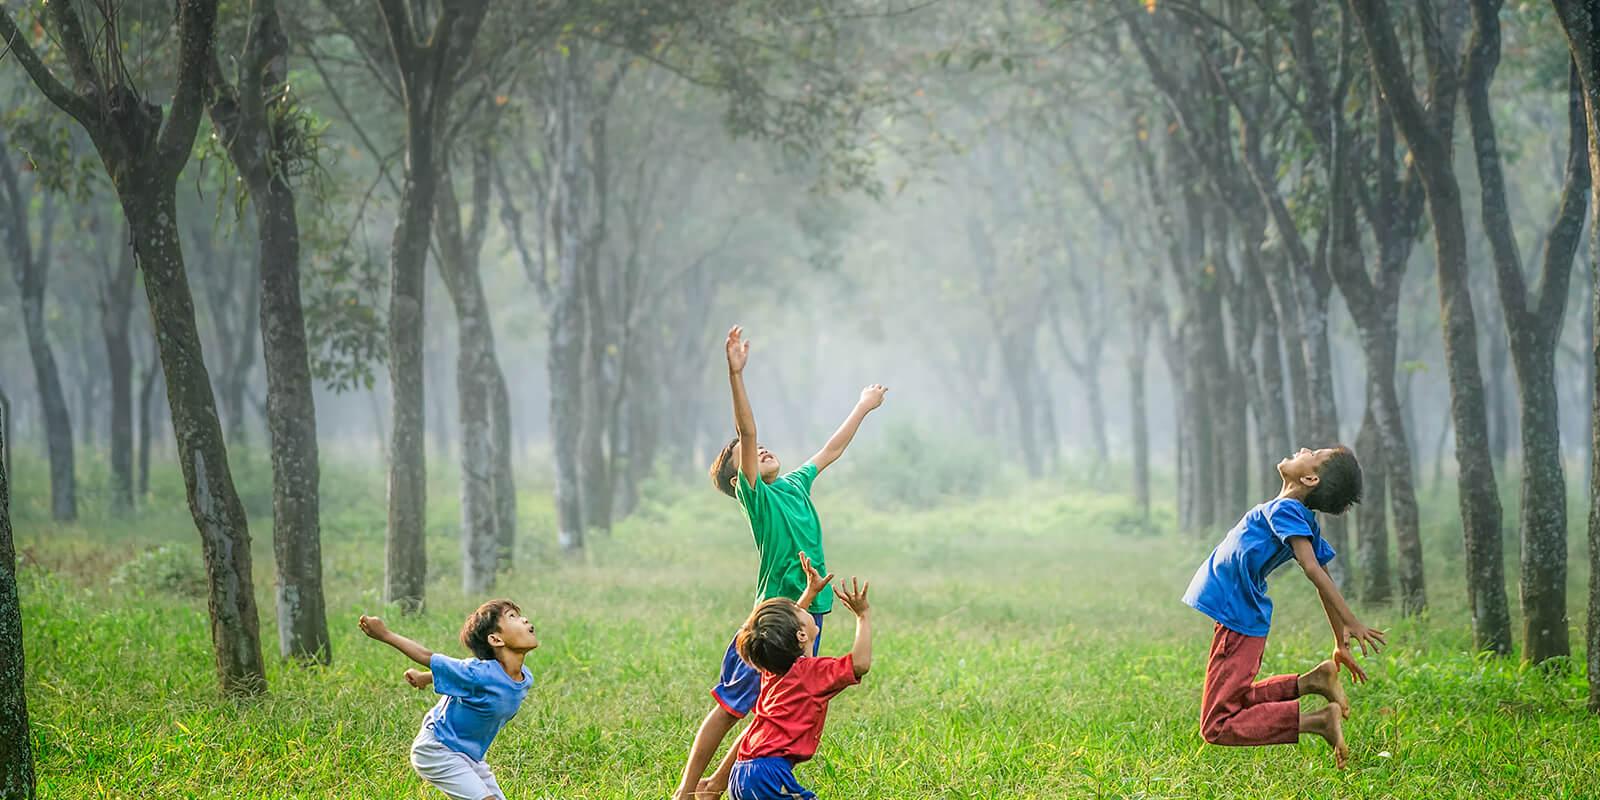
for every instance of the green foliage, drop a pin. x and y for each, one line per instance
(171, 569)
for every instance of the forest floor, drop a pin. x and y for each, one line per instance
(1030, 644)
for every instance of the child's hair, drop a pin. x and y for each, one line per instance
(770, 638)
(1338, 483)
(725, 467)
(486, 620)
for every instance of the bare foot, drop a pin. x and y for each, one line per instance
(1328, 723)
(1323, 679)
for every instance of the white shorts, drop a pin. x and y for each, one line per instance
(456, 774)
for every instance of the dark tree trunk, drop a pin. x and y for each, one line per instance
(1480, 503)
(1534, 325)
(1372, 524)
(32, 270)
(16, 751)
(147, 416)
(5, 429)
(1138, 357)
(1581, 21)
(505, 483)
(116, 305)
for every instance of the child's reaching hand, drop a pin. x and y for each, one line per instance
(738, 351)
(419, 678)
(872, 396)
(855, 597)
(374, 627)
(815, 582)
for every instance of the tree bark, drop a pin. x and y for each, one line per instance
(116, 306)
(32, 270)
(1480, 503)
(147, 416)
(565, 359)
(428, 70)
(478, 378)
(16, 751)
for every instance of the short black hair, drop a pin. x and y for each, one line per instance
(725, 467)
(770, 638)
(486, 620)
(1338, 483)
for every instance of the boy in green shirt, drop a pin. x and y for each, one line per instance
(785, 526)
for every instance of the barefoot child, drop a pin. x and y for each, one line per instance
(795, 690)
(783, 523)
(1230, 587)
(479, 696)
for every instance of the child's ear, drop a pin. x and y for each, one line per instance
(1311, 481)
(496, 640)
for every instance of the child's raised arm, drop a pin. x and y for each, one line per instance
(744, 419)
(855, 599)
(1340, 617)
(375, 628)
(871, 398)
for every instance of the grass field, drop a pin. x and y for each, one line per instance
(1030, 645)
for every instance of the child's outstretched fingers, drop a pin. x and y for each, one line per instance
(1343, 658)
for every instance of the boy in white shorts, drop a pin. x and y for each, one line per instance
(479, 696)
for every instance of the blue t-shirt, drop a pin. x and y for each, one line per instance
(479, 699)
(1231, 587)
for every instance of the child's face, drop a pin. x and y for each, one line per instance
(808, 628)
(516, 633)
(1303, 466)
(766, 463)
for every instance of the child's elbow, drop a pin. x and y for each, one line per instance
(862, 666)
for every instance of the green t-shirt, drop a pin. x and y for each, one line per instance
(784, 522)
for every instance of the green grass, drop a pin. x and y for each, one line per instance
(1030, 645)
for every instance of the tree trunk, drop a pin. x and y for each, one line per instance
(477, 376)
(224, 532)
(147, 416)
(1138, 357)
(565, 359)
(1534, 332)
(116, 305)
(32, 270)
(5, 429)
(1372, 528)
(16, 752)
(505, 483)
(1480, 503)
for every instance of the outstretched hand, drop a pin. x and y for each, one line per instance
(418, 679)
(738, 349)
(1365, 637)
(872, 396)
(815, 581)
(854, 597)
(1343, 658)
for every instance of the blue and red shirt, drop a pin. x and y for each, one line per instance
(792, 707)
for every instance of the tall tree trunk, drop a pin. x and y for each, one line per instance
(1479, 500)
(477, 376)
(565, 359)
(32, 270)
(1138, 357)
(147, 416)
(1372, 524)
(1580, 19)
(1534, 325)
(16, 751)
(505, 483)
(5, 429)
(116, 305)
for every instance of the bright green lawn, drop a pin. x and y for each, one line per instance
(1030, 645)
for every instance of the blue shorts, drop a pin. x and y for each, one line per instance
(740, 684)
(766, 779)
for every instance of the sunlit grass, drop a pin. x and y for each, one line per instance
(1031, 644)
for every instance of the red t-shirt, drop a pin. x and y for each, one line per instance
(792, 707)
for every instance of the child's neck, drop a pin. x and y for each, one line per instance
(1293, 490)
(511, 661)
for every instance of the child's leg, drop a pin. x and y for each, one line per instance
(1328, 722)
(447, 770)
(1238, 710)
(712, 731)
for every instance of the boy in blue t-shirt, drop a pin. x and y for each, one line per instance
(785, 527)
(1231, 588)
(479, 696)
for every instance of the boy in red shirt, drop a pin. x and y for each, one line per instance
(795, 690)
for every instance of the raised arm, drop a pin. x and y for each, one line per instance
(377, 629)
(744, 420)
(855, 599)
(871, 398)
(1340, 618)
(815, 582)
